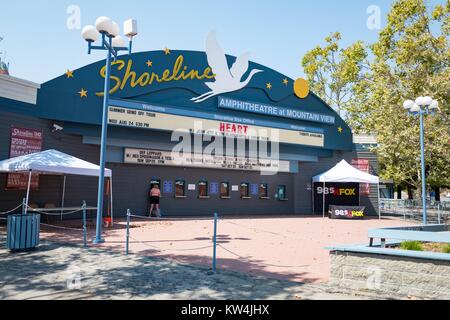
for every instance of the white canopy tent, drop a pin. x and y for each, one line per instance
(52, 162)
(344, 172)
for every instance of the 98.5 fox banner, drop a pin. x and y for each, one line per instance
(346, 212)
(339, 194)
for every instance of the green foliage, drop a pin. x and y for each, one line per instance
(332, 71)
(411, 246)
(446, 248)
(411, 58)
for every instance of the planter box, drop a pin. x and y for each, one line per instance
(23, 232)
(388, 272)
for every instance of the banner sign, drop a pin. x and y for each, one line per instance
(120, 116)
(23, 141)
(168, 187)
(167, 158)
(346, 212)
(346, 194)
(362, 165)
(254, 107)
(214, 188)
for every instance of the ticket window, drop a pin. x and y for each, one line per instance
(245, 190)
(155, 182)
(225, 190)
(264, 191)
(203, 190)
(281, 193)
(180, 189)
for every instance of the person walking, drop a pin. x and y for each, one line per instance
(155, 196)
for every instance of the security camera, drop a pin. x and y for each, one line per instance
(57, 128)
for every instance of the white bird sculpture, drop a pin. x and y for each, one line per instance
(227, 80)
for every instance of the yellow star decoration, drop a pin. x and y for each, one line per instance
(149, 63)
(340, 129)
(269, 86)
(285, 81)
(69, 74)
(166, 51)
(83, 93)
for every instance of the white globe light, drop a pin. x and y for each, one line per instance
(420, 101)
(415, 108)
(427, 101)
(434, 105)
(90, 33)
(104, 25)
(115, 30)
(118, 41)
(408, 104)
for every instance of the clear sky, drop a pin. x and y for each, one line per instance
(40, 46)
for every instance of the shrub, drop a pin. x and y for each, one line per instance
(412, 245)
(446, 248)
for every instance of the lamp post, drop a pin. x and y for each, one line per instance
(422, 106)
(112, 42)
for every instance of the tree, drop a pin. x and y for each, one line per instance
(332, 71)
(411, 58)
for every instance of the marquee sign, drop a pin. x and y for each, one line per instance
(167, 158)
(119, 116)
(276, 111)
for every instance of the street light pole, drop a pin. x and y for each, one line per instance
(112, 43)
(424, 183)
(422, 106)
(101, 180)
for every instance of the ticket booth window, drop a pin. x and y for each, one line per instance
(203, 189)
(245, 190)
(264, 191)
(281, 193)
(180, 189)
(155, 182)
(225, 190)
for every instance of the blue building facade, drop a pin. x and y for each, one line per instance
(156, 93)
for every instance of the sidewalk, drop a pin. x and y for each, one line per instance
(61, 273)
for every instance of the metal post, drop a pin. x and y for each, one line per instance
(214, 262)
(84, 225)
(24, 205)
(422, 149)
(323, 198)
(379, 206)
(111, 199)
(63, 197)
(28, 192)
(439, 213)
(101, 179)
(128, 232)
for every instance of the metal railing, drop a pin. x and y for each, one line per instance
(438, 212)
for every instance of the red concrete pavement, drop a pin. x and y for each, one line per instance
(291, 248)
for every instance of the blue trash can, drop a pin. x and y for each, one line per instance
(23, 232)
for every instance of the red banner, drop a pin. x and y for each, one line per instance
(24, 141)
(363, 165)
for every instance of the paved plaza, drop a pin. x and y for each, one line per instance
(258, 258)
